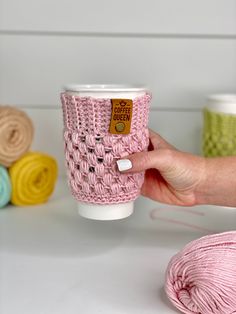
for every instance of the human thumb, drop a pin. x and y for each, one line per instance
(159, 159)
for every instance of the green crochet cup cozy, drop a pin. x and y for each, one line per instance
(219, 134)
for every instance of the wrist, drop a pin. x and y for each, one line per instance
(218, 184)
(201, 189)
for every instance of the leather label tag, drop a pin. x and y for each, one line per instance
(121, 116)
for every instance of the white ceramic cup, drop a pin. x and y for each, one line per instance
(222, 103)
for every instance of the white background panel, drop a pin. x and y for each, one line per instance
(180, 72)
(182, 129)
(124, 16)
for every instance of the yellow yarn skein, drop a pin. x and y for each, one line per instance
(33, 178)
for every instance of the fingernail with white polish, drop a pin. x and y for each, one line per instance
(124, 164)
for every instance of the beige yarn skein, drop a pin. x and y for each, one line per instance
(16, 134)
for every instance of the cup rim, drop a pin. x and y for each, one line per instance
(105, 88)
(229, 98)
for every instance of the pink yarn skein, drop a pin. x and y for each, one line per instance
(201, 278)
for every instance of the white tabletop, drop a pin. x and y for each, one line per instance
(53, 261)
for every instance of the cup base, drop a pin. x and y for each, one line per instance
(105, 212)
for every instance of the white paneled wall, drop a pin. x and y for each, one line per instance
(180, 72)
(184, 50)
(123, 16)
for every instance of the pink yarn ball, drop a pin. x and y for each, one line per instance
(201, 278)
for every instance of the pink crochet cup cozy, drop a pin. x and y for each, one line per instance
(92, 147)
